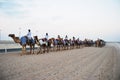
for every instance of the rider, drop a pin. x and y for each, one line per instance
(66, 37)
(73, 38)
(59, 40)
(29, 35)
(46, 36)
(46, 40)
(59, 37)
(66, 40)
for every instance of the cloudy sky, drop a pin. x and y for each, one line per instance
(80, 18)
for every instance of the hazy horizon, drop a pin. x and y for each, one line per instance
(90, 19)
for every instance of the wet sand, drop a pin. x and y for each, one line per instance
(88, 63)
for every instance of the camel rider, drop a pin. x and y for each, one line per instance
(29, 36)
(66, 37)
(59, 40)
(46, 39)
(73, 38)
(46, 36)
(66, 40)
(59, 37)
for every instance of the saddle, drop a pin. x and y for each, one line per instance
(29, 41)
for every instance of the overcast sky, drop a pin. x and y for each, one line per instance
(80, 18)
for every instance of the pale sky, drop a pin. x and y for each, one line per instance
(80, 18)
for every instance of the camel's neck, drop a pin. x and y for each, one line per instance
(16, 39)
(36, 40)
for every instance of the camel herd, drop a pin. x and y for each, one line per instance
(53, 44)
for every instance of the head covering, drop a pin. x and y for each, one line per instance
(29, 30)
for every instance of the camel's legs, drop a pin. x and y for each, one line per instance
(23, 50)
(33, 48)
(30, 49)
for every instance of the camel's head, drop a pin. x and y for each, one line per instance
(36, 40)
(16, 39)
(11, 35)
(35, 37)
(53, 38)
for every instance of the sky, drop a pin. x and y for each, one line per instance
(90, 19)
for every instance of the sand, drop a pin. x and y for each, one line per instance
(88, 63)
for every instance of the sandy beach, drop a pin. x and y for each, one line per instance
(88, 63)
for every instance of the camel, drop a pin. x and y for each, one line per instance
(100, 43)
(43, 43)
(23, 42)
(39, 44)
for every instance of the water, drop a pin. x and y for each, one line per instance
(9, 46)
